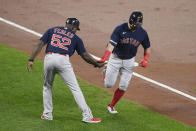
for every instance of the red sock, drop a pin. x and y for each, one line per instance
(117, 95)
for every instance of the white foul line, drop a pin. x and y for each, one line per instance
(136, 64)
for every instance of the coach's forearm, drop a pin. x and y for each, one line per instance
(88, 58)
(37, 49)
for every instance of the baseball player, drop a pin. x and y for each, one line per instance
(121, 51)
(61, 43)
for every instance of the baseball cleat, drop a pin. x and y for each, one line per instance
(111, 109)
(93, 120)
(47, 116)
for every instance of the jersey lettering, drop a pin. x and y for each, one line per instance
(69, 34)
(59, 41)
(129, 41)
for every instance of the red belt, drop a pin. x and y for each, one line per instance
(57, 53)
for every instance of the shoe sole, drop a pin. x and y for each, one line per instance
(91, 121)
(113, 113)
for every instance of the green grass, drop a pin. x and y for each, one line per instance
(21, 103)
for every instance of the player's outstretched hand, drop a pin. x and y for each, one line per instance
(102, 60)
(30, 66)
(144, 63)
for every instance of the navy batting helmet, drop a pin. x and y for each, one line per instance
(74, 22)
(136, 18)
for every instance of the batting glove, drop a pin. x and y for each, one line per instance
(144, 62)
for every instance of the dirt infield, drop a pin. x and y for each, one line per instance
(171, 26)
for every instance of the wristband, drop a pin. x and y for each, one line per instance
(106, 55)
(31, 59)
(146, 56)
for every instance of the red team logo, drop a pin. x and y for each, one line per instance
(129, 41)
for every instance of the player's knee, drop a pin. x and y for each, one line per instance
(47, 85)
(108, 85)
(123, 87)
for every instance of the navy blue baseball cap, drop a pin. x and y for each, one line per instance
(74, 22)
(136, 18)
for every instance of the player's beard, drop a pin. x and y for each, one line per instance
(133, 27)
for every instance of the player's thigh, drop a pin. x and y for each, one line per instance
(111, 75)
(125, 77)
(69, 78)
(126, 73)
(49, 72)
(65, 70)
